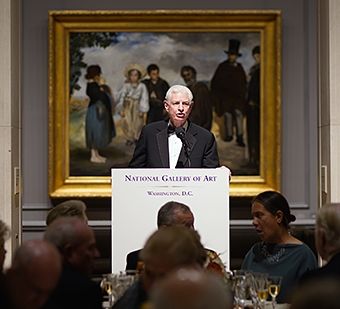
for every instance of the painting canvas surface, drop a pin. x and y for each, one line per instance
(170, 51)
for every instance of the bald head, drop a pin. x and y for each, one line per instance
(175, 213)
(75, 241)
(188, 288)
(34, 272)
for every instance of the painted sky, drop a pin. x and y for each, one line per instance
(170, 51)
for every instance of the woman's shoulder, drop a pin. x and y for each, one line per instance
(301, 251)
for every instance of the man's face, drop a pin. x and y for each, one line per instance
(187, 76)
(82, 256)
(232, 57)
(178, 108)
(257, 58)
(185, 218)
(154, 75)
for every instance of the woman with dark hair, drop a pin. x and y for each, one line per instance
(279, 253)
(99, 122)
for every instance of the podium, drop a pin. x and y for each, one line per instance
(138, 194)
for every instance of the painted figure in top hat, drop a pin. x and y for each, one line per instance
(253, 112)
(228, 88)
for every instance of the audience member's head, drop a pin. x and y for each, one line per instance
(175, 213)
(275, 203)
(317, 294)
(188, 74)
(188, 288)
(75, 241)
(271, 216)
(178, 104)
(33, 275)
(169, 248)
(4, 235)
(70, 208)
(327, 232)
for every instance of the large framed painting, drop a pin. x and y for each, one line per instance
(231, 60)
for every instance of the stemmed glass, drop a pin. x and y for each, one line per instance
(274, 288)
(261, 287)
(240, 285)
(116, 284)
(107, 285)
(240, 288)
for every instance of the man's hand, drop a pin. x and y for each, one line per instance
(227, 171)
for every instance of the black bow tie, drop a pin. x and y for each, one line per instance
(171, 129)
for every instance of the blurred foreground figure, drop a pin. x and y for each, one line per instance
(4, 235)
(317, 294)
(191, 289)
(165, 250)
(32, 277)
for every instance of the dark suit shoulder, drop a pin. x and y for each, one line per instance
(155, 126)
(194, 128)
(132, 260)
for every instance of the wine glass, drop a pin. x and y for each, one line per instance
(240, 290)
(274, 288)
(261, 286)
(121, 283)
(107, 285)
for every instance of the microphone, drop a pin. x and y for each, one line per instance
(180, 133)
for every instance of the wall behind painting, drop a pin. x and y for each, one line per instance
(299, 99)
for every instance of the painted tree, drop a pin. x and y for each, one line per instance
(79, 40)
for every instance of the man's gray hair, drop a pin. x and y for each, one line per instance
(167, 213)
(63, 231)
(328, 218)
(178, 89)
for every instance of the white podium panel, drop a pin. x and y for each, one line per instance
(138, 194)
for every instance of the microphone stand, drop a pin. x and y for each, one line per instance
(180, 132)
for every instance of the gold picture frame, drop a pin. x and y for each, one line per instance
(62, 24)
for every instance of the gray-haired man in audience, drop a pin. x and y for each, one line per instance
(76, 243)
(327, 241)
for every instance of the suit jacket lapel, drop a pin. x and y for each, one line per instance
(162, 142)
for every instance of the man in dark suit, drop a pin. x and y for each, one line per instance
(76, 243)
(327, 241)
(177, 142)
(170, 214)
(157, 88)
(201, 113)
(228, 89)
